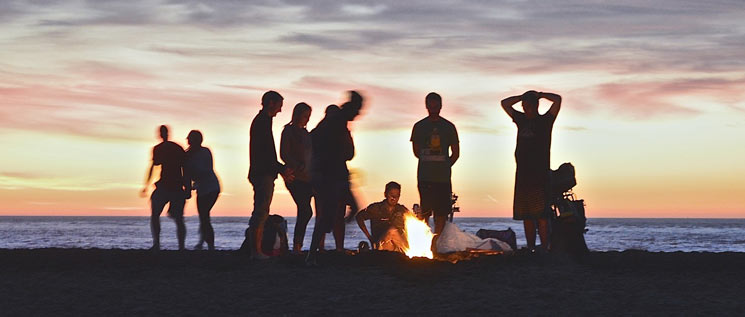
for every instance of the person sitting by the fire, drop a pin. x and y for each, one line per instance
(386, 221)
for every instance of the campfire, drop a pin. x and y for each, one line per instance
(418, 237)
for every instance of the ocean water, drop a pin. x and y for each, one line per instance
(605, 234)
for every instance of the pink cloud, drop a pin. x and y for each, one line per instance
(653, 99)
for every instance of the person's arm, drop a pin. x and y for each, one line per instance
(414, 145)
(455, 148)
(507, 104)
(556, 99)
(361, 217)
(348, 145)
(287, 148)
(187, 176)
(149, 176)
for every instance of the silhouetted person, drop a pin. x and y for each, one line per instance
(533, 158)
(436, 145)
(169, 189)
(347, 199)
(332, 148)
(386, 221)
(199, 171)
(295, 150)
(263, 170)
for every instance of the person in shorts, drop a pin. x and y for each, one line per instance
(435, 143)
(169, 189)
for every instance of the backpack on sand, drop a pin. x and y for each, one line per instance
(568, 220)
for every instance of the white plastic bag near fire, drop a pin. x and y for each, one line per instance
(453, 239)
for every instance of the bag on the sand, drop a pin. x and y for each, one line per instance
(452, 239)
(274, 240)
(568, 226)
(508, 236)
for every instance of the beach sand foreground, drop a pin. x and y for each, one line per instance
(137, 282)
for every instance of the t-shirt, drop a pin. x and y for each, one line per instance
(170, 156)
(382, 219)
(434, 138)
(199, 168)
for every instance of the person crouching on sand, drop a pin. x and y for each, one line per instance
(199, 170)
(386, 220)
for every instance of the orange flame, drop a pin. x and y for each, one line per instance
(418, 237)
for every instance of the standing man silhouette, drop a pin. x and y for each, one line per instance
(436, 145)
(169, 189)
(263, 170)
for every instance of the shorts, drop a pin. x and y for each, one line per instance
(435, 198)
(174, 198)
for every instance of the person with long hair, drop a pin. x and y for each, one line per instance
(295, 149)
(200, 174)
(533, 158)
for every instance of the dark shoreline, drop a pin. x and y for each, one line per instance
(126, 282)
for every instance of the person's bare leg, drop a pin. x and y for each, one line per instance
(339, 231)
(529, 226)
(440, 223)
(543, 233)
(180, 231)
(439, 227)
(258, 234)
(156, 207)
(155, 231)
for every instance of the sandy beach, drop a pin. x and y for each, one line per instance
(127, 282)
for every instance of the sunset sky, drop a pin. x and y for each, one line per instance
(653, 116)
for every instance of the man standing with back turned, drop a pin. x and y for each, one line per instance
(263, 170)
(435, 144)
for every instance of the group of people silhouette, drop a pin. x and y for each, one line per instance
(315, 166)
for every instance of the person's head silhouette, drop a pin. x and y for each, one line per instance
(164, 132)
(530, 102)
(271, 101)
(433, 101)
(331, 109)
(353, 106)
(194, 138)
(301, 115)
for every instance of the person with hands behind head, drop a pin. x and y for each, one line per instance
(531, 202)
